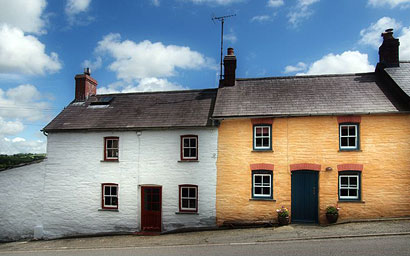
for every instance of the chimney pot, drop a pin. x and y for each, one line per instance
(231, 52)
(87, 71)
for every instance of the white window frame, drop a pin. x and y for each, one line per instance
(189, 147)
(348, 187)
(111, 206)
(348, 136)
(262, 136)
(262, 185)
(189, 198)
(112, 148)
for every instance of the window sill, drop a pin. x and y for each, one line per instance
(351, 201)
(262, 199)
(192, 213)
(188, 160)
(110, 161)
(262, 150)
(108, 210)
(349, 150)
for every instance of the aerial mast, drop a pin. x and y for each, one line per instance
(222, 20)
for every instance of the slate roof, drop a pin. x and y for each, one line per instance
(306, 95)
(401, 76)
(138, 111)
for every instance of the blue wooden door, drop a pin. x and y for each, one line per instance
(304, 196)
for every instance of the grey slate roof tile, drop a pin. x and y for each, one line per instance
(401, 76)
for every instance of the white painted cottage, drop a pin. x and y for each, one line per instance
(118, 163)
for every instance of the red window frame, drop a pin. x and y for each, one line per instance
(106, 158)
(182, 147)
(103, 185)
(180, 198)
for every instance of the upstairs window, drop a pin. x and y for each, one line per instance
(262, 137)
(262, 184)
(111, 149)
(349, 185)
(109, 196)
(189, 147)
(188, 198)
(349, 136)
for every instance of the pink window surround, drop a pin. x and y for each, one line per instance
(262, 121)
(305, 166)
(350, 167)
(262, 166)
(349, 119)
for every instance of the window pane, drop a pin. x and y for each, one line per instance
(109, 153)
(266, 131)
(113, 190)
(353, 181)
(192, 192)
(192, 203)
(115, 143)
(258, 131)
(193, 152)
(258, 179)
(258, 142)
(258, 190)
(184, 203)
(184, 192)
(266, 142)
(352, 130)
(344, 130)
(106, 190)
(186, 142)
(155, 197)
(155, 206)
(193, 142)
(344, 142)
(352, 141)
(343, 181)
(266, 191)
(109, 143)
(266, 180)
(343, 192)
(107, 200)
(353, 192)
(186, 152)
(114, 201)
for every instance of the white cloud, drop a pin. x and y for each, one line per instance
(93, 65)
(404, 51)
(347, 62)
(230, 37)
(10, 127)
(215, 2)
(391, 3)
(74, 7)
(371, 35)
(23, 14)
(134, 61)
(275, 3)
(23, 102)
(299, 67)
(148, 84)
(155, 2)
(20, 53)
(300, 12)
(21, 145)
(261, 18)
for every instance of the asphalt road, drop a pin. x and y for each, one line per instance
(363, 246)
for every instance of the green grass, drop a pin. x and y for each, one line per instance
(7, 161)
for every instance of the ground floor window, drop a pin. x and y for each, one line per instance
(262, 184)
(109, 196)
(349, 185)
(188, 198)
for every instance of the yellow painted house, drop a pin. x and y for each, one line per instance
(309, 142)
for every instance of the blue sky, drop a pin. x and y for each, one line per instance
(150, 45)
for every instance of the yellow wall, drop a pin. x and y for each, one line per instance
(385, 155)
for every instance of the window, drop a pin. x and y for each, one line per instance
(262, 184)
(349, 185)
(349, 136)
(262, 137)
(189, 147)
(109, 196)
(188, 198)
(111, 148)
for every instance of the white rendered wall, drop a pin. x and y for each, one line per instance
(74, 171)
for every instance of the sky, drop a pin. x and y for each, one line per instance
(162, 45)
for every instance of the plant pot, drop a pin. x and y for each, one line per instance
(283, 220)
(332, 218)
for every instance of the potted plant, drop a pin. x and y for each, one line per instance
(332, 214)
(283, 216)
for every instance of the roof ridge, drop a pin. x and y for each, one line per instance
(304, 76)
(158, 92)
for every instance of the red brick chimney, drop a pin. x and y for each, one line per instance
(85, 85)
(389, 50)
(229, 69)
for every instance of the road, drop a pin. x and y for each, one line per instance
(363, 246)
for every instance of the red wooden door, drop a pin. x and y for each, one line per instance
(151, 201)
